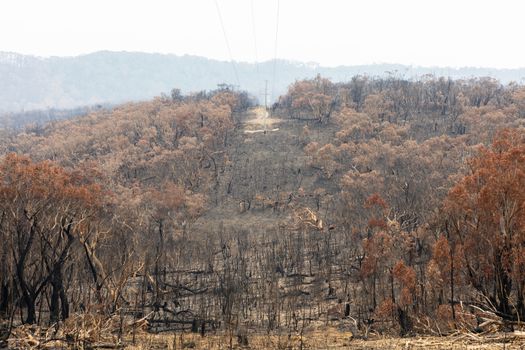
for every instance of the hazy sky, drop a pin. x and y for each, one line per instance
(330, 32)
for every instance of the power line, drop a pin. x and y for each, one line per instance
(227, 43)
(254, 38)
(275, 51)
(258, 73)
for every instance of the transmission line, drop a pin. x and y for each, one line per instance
(254, 38)
(227, 43)
(275, 51)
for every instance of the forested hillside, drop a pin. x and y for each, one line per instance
(376, 205)
(36, 83)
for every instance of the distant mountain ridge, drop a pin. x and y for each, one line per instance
(30, 82)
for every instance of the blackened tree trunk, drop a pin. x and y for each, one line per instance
(4, 299)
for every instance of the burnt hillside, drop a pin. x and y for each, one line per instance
(381, 205)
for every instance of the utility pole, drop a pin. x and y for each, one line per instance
(266, 94)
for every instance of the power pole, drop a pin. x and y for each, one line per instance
(266, 94)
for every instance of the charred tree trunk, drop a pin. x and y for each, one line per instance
(4, 299)
(59, 308)
(503, 286)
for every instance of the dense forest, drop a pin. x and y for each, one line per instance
(379, 205)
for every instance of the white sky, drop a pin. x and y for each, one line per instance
(330, 32)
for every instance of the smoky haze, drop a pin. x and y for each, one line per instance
(63, 54)
(29, 82)
(333, 32)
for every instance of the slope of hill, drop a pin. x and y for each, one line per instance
(351, 205)
(29, 82)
